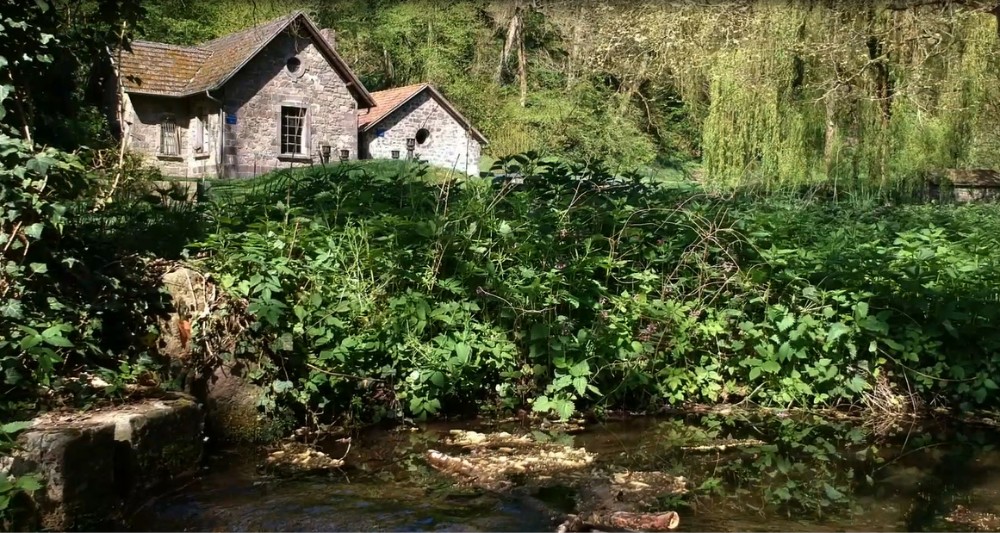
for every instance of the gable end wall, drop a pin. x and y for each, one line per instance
(449, 145)
(255, 96)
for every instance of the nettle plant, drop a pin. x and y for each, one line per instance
(383, 292)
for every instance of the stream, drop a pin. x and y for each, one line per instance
(805, 473)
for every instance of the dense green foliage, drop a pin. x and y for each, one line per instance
(576, 288)
(579, 289)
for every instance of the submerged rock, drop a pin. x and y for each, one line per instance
(974, 520)
(619, 500)
(298, 458)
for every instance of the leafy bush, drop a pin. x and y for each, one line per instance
(12, 487)
(378, 290)
(72, 305)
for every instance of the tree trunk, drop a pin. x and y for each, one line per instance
(832, 131)
(522, 69)
(513, 29)
(574, 51)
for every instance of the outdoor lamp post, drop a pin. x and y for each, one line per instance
(345, 155)
(325, 153)
(410, 145)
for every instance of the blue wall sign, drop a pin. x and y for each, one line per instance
(380, 132)
(230, 118)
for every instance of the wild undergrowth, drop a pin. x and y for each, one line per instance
(382, 294)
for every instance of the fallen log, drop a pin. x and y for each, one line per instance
(621, 521)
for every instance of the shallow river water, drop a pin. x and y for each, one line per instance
(806, 474)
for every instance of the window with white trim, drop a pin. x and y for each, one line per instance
(293, 130)
(198, 144)
(170, 140)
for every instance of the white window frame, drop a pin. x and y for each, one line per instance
(169, 129)
(303, 148)
(198, 144)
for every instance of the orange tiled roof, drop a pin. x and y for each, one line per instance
(170, 70)
(389, 100)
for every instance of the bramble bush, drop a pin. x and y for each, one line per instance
(379, 292)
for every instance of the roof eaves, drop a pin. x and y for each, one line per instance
(456, 114)
(353, 82)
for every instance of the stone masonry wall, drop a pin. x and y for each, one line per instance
(448, 146)
(144, 114)
(255, 96)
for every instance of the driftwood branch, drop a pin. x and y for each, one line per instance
(621, 520)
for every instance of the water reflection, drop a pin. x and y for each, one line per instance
(749, 473)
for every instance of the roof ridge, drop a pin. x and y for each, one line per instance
(279, 24)
(284, 18)
(185, 47)
(410, 86)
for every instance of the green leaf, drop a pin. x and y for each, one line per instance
(770, 366)
(35, 230)
(565, 409)
(39, 268)
(832, 492)
(786, 322)
(463, 351)
(580, 369)
(754, 373)
(836, 330)
(541, 405)
(13, 427)
(437, 378)
(28, 483)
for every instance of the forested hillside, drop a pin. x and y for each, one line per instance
(779, 92)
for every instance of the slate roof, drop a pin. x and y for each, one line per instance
(171, 70)
(389, 100)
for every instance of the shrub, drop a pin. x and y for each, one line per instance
(377, 290)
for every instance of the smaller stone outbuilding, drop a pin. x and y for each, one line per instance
(418, 122)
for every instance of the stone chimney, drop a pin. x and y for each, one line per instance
(330, 35)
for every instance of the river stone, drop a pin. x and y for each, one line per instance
(187, 290)
(231, 400)
(75, 460)
(93, 464)
(156, 441)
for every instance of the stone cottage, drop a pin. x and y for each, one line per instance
(417, 121)
(274, 96)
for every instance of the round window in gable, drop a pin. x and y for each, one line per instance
(293, 66)
(422, 135)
